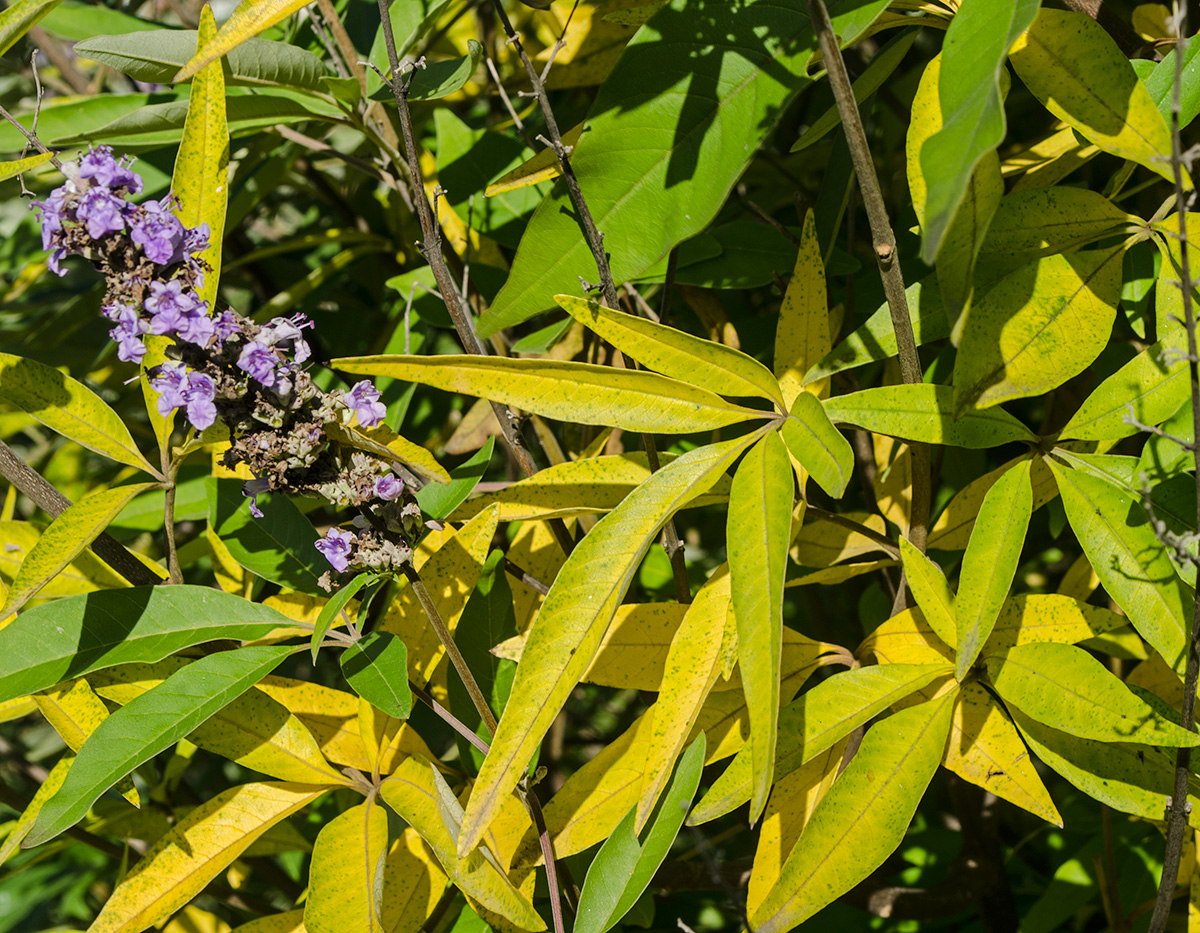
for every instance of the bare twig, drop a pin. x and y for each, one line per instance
(31, 137)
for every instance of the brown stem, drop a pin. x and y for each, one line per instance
(58, 57)
(1177, 812)
(54, 503)
(885, 253)
(30, 137)
(175, 575)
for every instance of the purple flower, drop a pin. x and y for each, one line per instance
(53, 209)
(259, 361)
(169, 385)
(281, 332)
(336, 547)
(363, 398)
(128, 332)
(100, 166)
(168, 304)
(225, 324)
(102, 211)
(195, 240)
(159, 233)
(252, 489)
(199, 393)
(196, 326)
(388, 487)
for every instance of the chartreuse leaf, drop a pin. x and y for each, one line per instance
(812, 439)
(990, 562)
(906, 638)
(986, 749)
(1132, 564)
(624, 866)
(589, 486)
(924, 412)
(13, 169)
(962, 241)
(1054, 219)
(156, 354)
(580, 392)
(17, 19)
(333, 607)
(1077, 71)
(24, 823)
(1037, 327)
(656, 166)
(864, 816)
(249, 19)
(73, 530)
(197, 849)
(567, 631)
(1033, 618)
(77, 634)
(802, 335)
(150, 723)
(757, 538)
(418, 793)
(70, 408)
(345, 881)
(952, 530)
(386, 443)
(972, 113)
(676, 354)
(817, 720)
(201, 177)
(1128, 777)
(413, 883)
(377, 669)
(1152, 387)
(280, 546)
(154, 57)
(691, 668)
(931, 591)
(1066, 688)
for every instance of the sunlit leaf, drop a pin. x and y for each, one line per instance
(345, 881)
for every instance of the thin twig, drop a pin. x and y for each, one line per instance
(1177, 812)
(885, 254)
(31, 137)
(454, 722)
(885, 543)
(530, 581)
(175, 575)
(317, 145)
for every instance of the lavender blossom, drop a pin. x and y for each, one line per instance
(169, 385)
(225, 325)
(363, 399)
(178, 388)
(53, 210)
(102, 211)
(287, 334)
(196, 326)
(336, 547)
(128, 332)
(259, 361)
(196, 240)
(388, 487)
(159, 233)
(169, 305)
(252, 489)
(102, 169)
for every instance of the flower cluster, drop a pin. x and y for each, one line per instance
(250, 377)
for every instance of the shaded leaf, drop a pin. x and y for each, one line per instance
(1055, 219)
(377, 669)
(439, 501)
(249, 19)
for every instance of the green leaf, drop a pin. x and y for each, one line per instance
(923, 412)
(249, 19)
(74, 115)
(75, 21)
(816, 721)
(77, 634)
(863, 818)
(582, 393)
(972, 62)
(962, 241)
(280, 546)
(1146, 387)
(656, 166)
(439, 501)
(1076, 70)
(1066, 688)
(333, 607)
(757, 539)
(990, 562)
(345, 885)
(70, 408)
(1052, 220)
(410, 22)
(813, 440)
(931, 591)
(73, 530)
(1037, 328)
(566, 633)
(624, 866)
(1160, 82)
(438, 79)
(147, 725)
(155, 57)
(676, 354)
(1130, 561)
(18, 18)
(377, 670)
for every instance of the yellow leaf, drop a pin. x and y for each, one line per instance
(19, 18)
(69, 407)
(582, 393)
(249, 19)
(575, 614)
(1048, 160)
(802, 336)
(413, 882)
(72, 531)
(201, 177)
(793, 799)
(420, 796)
(905, 638)
(194, 920)
(834, 575)
(196, 850)
(449, 574)
(12, 169)
(541, 167)
(760, 511)
(893, 480)
(385, 442)
(676, 354)
(291, 921)
(932, 592)
(821, 543)
(231, 576)
(953, 528)
(17, 708)
(345, 880)
(1033, 618)
(534, 550)
(1155, 675)
(1076, 70)
(24, 823)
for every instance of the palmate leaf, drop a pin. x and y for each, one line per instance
(572, 620)
(345, 881)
